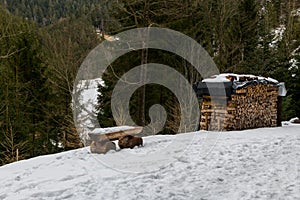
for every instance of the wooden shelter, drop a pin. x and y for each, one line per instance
(237, 102)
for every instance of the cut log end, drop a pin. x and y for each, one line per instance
(130, 141)
(102, 147)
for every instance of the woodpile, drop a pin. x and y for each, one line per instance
(252, 106)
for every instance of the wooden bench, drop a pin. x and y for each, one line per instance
(102, 137)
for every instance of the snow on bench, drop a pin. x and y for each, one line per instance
(114, 133)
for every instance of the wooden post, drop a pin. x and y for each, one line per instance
(206, 122)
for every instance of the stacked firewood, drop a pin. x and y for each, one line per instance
(253, 106)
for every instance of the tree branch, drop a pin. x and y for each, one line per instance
(11, 54)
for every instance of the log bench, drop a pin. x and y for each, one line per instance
(296, 121)
(102, 137)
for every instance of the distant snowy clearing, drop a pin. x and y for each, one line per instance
(253, 164)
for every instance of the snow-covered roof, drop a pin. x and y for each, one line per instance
(228, 77)
(234, 82)
(217, 78)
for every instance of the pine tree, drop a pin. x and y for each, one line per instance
(22, 84)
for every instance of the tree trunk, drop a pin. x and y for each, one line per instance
(142, 90)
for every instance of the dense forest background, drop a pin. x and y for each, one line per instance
(43, 43)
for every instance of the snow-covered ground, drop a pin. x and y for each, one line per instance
(252, 164)
(86, 110)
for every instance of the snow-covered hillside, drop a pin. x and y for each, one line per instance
(253, 164)
(86, 111)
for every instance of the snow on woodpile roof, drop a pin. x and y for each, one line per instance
(229, 77)
(234, 82)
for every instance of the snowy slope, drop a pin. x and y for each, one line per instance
(253, 164)
(87, 116)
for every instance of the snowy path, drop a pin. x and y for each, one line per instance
(254, 164)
